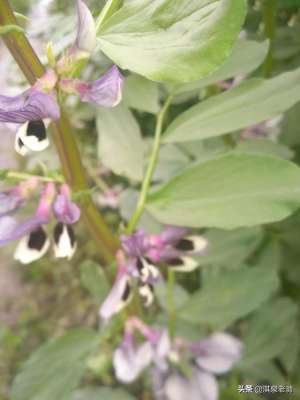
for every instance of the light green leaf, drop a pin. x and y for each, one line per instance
(5, 29)
(264, 146)
(141, 94)
(56, 368)
(246, 56)
(230, 296)
(268, 332)
(171, 160)
(111, 6)
(172, 40)
(230, 247)
(94, 280)
(120, 145)
(253, 101)
(230, 191)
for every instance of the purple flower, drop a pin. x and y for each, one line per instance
(214, 355)
(218, 353)
(34, 242)
(32, 105)
(67, 213)
(199, 386)
(137, 261)
(130, 359)
(14, 198)
(86, 29)
(119, 296)
(85, 41)
(105, 91)
(65, 210)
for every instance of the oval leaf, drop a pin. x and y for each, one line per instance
(253, 101)
(120, 144)
(172, 40)
(56, 368)
(230, 296)
(230, 191)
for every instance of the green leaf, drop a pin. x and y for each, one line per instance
(120, 145)
(108, 10)
(172, 40)
(268, 332)
(5, 29)
(230, 296)
(253, 101)
(230, 191)
(141, 94)
(230, 247)
(102, 393)
(56, 368)
(264, 146)
(246, 56)
(94, 280)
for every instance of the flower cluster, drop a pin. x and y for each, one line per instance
(34, 241)
(139, 259)
(180, 368)
(34, 109)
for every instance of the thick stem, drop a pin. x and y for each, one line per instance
(63, 137)
(151, 168)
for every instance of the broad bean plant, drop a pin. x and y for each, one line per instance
(152, 203)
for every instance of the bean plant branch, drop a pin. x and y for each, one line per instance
(63, 137)
(151, 167)
(269, 16)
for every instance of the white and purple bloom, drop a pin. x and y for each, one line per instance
(67, 213)
(137, 264)
(32, 110)
(202, 360)
(34, 241)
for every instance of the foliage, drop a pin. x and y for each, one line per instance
(206, 137)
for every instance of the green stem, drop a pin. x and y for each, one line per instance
(269, 15)
(23, 176)
(171, 304)
(63, 137)
(151, 168)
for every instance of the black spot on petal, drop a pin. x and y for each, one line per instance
(20, 143)
(37, 129)
(185, 245)
(127, 292)
(175, 262)
(37, 239)
(140, 265)
(58, 230)
(71, 235)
